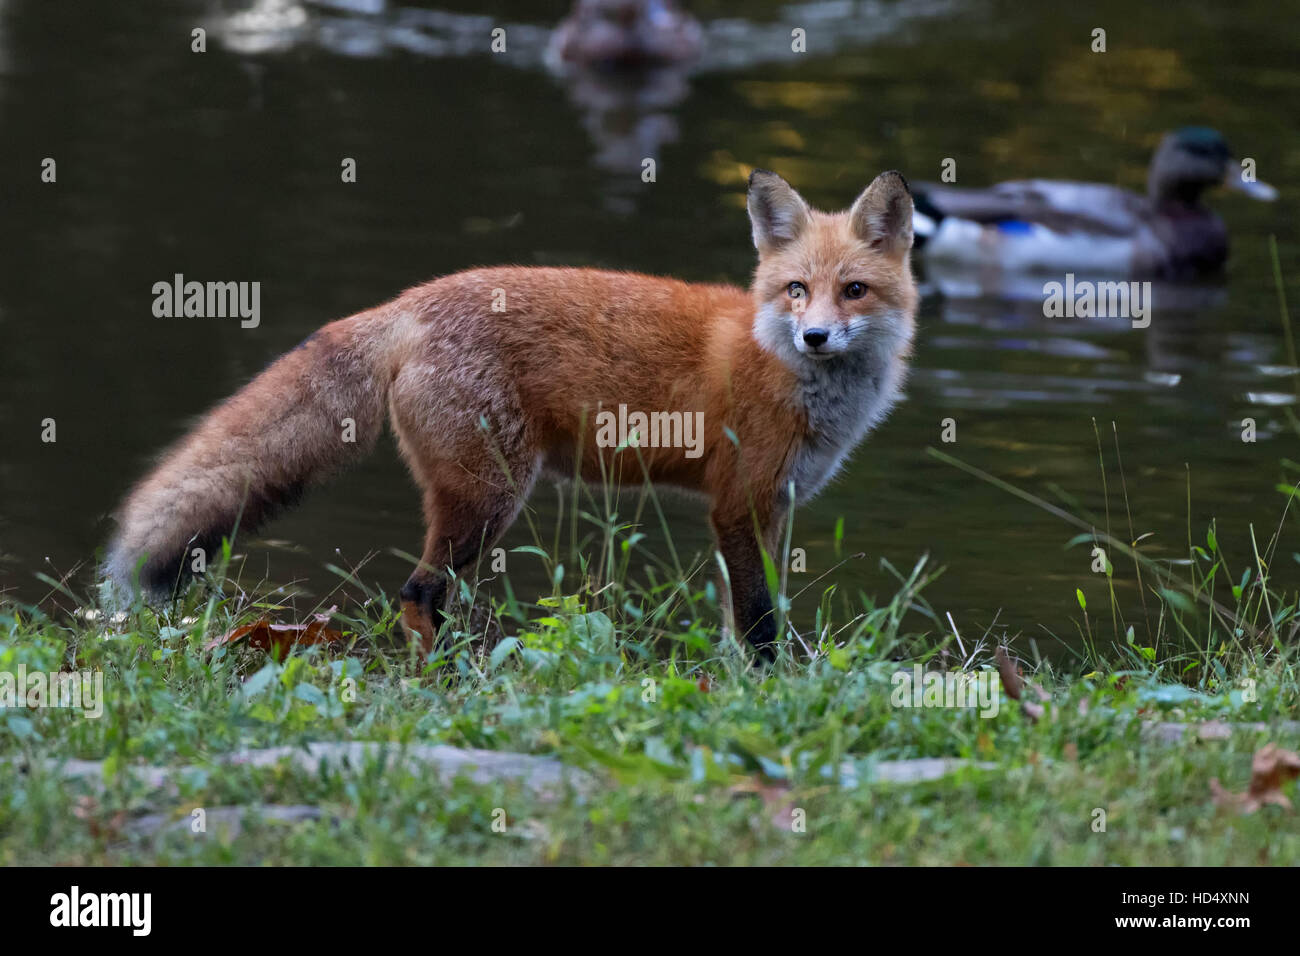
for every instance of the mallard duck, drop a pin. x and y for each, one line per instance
(1054, 226)
(610, 34)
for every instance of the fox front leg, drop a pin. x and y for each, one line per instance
(751, 604)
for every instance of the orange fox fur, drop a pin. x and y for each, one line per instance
(798, 369)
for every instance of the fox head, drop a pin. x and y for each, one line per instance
(832, 284)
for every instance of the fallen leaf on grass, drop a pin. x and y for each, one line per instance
(268, 636)
(99, 824)
(1031, 710)
(1269, 770)
(776, 800)
(1011, 682)
(1015, 686)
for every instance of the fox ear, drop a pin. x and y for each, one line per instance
(777, 213)
(882, 215)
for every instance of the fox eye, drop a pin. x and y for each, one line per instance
(797, 290)
(855, 290)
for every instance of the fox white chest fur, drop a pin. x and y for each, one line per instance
(844, 400)
(843, 397)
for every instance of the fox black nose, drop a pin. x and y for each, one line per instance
(815, 337)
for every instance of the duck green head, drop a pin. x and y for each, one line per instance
(1191, 160)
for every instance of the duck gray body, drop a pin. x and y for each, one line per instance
(1041, 225)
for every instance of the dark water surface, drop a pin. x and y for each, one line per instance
(225, 166)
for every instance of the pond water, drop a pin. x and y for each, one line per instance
(226, 165)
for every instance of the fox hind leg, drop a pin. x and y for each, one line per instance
(464, 519)
(464, 434)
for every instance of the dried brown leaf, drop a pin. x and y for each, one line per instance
(1011, 682)
(1270, 769)
(1014, 685)
(268, 636)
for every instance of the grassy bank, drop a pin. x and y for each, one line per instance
(686, 753)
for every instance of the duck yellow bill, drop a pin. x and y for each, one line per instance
(1252, 187)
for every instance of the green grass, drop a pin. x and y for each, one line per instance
(695, 754)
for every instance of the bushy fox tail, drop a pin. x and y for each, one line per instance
(315, 409)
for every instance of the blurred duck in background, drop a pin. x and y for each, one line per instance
(1040, 225)
(626, 33)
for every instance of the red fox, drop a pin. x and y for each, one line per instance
(492, 375)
